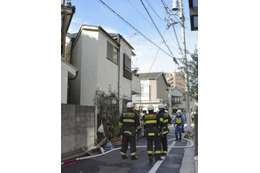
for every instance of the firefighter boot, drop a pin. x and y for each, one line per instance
(158, 157)
(150, 157)
(134, 157)
(124, 156)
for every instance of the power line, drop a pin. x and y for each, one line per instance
(154, 10)
(153, 61)
(136, 29)
(174, 59)
(150, 5)
(168, 11)
(139, 12)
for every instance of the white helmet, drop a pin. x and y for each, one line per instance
(150, 107)
(129, 105)
(178, 111)
(161, 106)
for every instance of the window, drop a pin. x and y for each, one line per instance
(111, 52)
(127, 67)
(194, 22)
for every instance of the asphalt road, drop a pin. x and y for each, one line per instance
(113, 162)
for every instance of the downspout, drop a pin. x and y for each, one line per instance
(118, 63)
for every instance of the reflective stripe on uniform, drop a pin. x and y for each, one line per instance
(139, 127)
(128, 120)
(128, 132)
(123, 154)
(151, 134)
(132, 154)
(151, 122)
(165, 152)
(150, 152)
(157, 152)
(165, 132)
(166, 121)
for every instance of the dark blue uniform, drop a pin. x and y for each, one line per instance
(129, 126)
(179, 122)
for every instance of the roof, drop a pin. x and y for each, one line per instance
(153, 76)
(72, 35)
(93, 28)
(116, 35)
(149, 76)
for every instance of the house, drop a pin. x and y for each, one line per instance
(154, 90)
(68, 71)
(179, 100)
(104, 62)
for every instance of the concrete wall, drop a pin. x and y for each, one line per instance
(77, 129)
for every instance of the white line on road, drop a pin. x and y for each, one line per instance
(114, 149)
(159, 162)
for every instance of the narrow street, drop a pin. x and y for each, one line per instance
(113, 163)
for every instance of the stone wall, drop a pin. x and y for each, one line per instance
(77, 129)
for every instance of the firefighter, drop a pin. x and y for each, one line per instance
(179, 124)
(129, 124)
(164, 128)
(152, 124)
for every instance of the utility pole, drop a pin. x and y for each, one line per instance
(184, 55)
(186, 74)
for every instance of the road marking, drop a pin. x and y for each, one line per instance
(159, 162)
(114, 149)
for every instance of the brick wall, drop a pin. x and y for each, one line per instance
(77, 128)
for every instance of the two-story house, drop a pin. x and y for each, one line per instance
(104, 62)
(154, 90)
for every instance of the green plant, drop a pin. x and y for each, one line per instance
(108, 113)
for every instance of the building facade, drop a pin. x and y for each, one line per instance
(176, 79)
(154, 90)
(104, 62)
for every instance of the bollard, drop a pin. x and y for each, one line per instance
(196, 164)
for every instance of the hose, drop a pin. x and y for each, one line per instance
(114, 149)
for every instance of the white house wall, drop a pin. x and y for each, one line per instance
(107, 75)
(76, 61)
(162, 89)
(136, 84)
(125, 84)
(89, 67)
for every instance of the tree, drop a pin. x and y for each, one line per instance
(193, 74)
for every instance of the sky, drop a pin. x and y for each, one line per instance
(93, 12)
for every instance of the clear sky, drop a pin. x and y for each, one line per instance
(93, 12)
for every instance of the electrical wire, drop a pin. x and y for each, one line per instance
(137, 30)
(174, 59)
(154, 10)
(139, 12)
